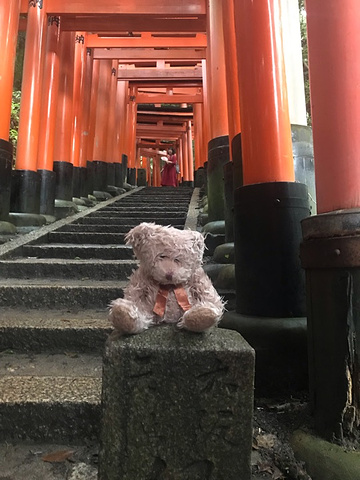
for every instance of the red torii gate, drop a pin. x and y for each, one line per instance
(266, 134)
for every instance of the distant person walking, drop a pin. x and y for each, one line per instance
(169, 171)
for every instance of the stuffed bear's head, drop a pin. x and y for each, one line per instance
(166, 254)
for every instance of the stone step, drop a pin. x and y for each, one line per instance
(75, 227)
(138, 213)
(49, 408)
(58, 293)
(55, 331)
(70, 251)
(59, 268)
(170, 220)
(87, 238)
(183, 207)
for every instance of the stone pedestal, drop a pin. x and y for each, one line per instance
(330, 256)
(177, 405)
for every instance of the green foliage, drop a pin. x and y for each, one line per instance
(14, 121)
(19, 61)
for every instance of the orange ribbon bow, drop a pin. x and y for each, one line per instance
(162, 295)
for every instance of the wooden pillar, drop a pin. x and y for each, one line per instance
(50, 87)
(9, 20)
(78, 93)
(122, 96)
(25, 189)
(181, 159)
(331, 244)
(335, 102)
(49, 99)
(120, 119)
(93, 104)
(185, 153)
(102, 111)
(85, 105)
(190, 153)
(99, 163)
(156, 171)
(110, 151)
(29, 125)
(266, 132)
(131, 132)
(232, 81)
(198, 135)
(218, 109)
(64, 118)
(205, 107)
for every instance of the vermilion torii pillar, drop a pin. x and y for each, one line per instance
(131, 132)
(330, 251)
(25, 190)
(64, 119)
(190, 156)
(120, 123)
(232, 82)
(9, 20)
(78, 93)
(268, 209)
(218, 146)
(85, 172)
(101, 127)
(49, 97)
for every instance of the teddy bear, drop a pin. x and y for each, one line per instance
(169, 285)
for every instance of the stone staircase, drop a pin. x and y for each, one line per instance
(55, 287)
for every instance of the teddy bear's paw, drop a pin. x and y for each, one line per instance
(198, 319)
(121, 315)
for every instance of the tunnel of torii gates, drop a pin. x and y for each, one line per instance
(91, 71)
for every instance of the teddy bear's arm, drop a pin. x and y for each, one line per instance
(203, 292)
(133, 313)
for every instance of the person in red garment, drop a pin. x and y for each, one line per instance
(169, 173)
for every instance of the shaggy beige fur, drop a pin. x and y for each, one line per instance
(167, 256)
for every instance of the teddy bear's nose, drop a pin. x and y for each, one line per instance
(169, 276)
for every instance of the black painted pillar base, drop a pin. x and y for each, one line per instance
(64, 180)
(119, 175)
(187, 183)
(199, 178)
(89, 177)
(131, 176)
(84, 182)
(218, 155)
(141, 177)
(47, 192)
(99, 176)
(269, 279)
(76, 182)
(124, 162)
(206, 178)
(330, 255)
(6, 159)
(25, 192)
(229, 201)
(236, 150)
(110, 167)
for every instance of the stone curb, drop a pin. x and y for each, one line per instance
(324, 460)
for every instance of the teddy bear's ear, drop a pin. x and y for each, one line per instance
(138, 235)
(198, 242)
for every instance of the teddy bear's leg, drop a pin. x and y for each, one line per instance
(200, 318)
(126, 318)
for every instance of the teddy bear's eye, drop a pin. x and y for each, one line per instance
(176, 260)
(162, 257)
